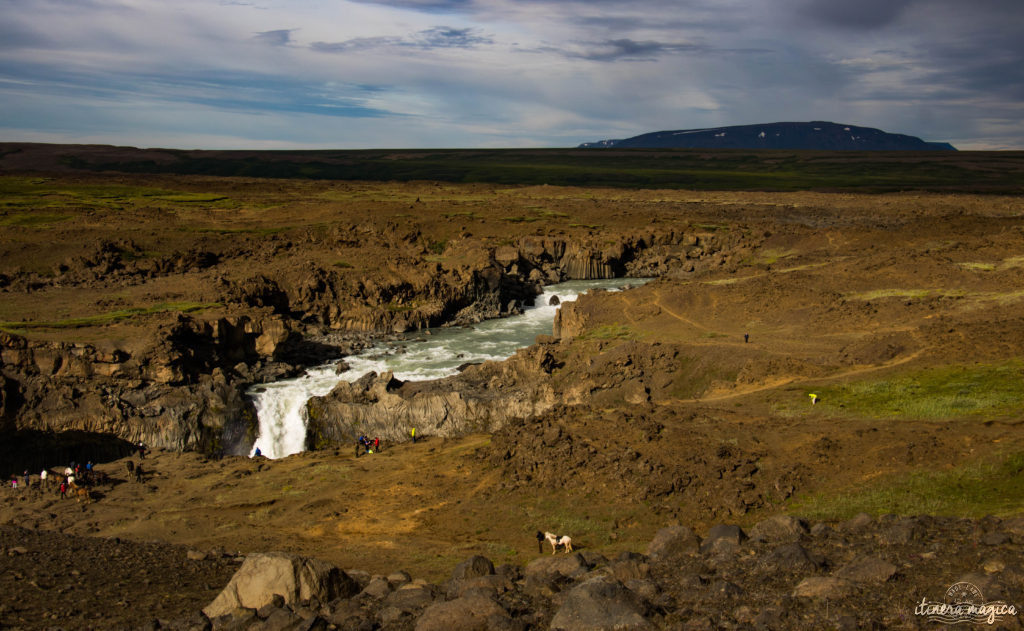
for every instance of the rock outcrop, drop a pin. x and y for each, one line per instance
(184, 387)
(483, 397)
(180, 391)
(263, 577)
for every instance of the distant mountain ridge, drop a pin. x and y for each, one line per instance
(815, 135)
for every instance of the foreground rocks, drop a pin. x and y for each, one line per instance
(859, 574)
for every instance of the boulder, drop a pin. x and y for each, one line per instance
(791, 557)
(543, 585)
(673, 541)
(410, 597)
(292, 577)
(399, 578)
(722, 532)
(571, 565)
(473, 566)
(470, 613)
(601, 603)
(490, 585)
(779, 529)
(903, 531)
(630, 569)
(867, 570)
(379, 587)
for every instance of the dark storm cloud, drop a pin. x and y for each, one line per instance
(438, 37)
(966, 53)
(968, 72)
(862, 14)
(280, 37)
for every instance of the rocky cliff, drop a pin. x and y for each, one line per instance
(179, 392)
(486, 397)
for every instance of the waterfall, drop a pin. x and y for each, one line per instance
(280, 406)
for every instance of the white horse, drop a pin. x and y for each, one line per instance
(555, 540)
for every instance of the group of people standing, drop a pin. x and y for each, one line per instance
(74, 475)
(367, 445)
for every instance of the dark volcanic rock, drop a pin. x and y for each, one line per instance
(722, 533)
(472, 613)
(600, 604)
(760, 585)
(673, 541)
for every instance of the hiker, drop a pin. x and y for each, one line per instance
(25, 475)
(14, 482)
(814, 398)
(43, 478)
(413, 432)
(257, 453)
(142, 450)
(746, 338)
(63, 490)
(376, 445)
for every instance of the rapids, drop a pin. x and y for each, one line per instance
(420, 356)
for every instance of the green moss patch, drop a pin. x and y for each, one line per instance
(985, 391)
(993, 486)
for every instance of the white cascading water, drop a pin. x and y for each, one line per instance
(280, 406)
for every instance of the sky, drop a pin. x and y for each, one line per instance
(347, 74)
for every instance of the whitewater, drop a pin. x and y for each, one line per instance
(281, 405)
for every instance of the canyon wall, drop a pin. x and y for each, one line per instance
(185, 389)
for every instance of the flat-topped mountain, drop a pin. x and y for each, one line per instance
(815, 135)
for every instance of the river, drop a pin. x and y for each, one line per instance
(280, 405)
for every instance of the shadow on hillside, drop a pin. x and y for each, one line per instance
(33, 449)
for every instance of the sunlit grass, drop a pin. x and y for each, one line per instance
(906, 294)
(36, 193)
(1012, 262)
(980, 391)
(770, 256)
(992, 486)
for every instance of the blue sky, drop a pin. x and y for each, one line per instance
(501, 73)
